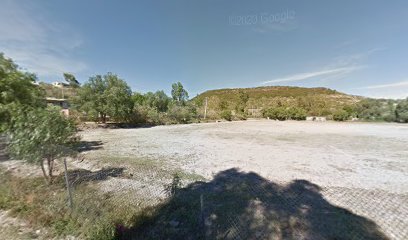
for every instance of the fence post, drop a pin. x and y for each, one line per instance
(68, 186)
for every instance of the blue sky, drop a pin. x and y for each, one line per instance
(358, 47)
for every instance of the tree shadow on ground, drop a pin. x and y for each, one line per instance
(84, 146)
(79, 176)
(238, 205)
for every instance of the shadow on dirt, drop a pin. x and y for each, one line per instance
(79, 176)
(238, 205)
(84, 146)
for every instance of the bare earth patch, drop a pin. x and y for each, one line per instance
(362, 167)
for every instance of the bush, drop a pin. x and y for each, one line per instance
(296, 113)
(226, 115)
(181, 114)
(155, 117)
(401, 111)
(341, 115)
(282, 113)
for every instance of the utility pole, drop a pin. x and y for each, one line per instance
(205, 109)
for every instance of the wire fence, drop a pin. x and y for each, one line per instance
(241, 205)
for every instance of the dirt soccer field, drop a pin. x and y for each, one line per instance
(362, 167)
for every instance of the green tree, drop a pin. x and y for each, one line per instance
(179, 94)
(104, 96)
(70, 78)
(40, 136)
(158, 100)
(138, 99)
(401, 111)
(16, 87)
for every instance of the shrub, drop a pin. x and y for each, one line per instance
(401, 111)
(226, 114)
(295, 113)
(341, 115)
(282, 113)
(181, 114)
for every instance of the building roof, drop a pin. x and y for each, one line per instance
(56, 99)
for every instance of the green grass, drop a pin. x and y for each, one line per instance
(142, 166)
(95, 215)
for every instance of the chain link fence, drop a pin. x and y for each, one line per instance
(239, 205)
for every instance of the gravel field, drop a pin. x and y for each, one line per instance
(362, 167)
(360, 155)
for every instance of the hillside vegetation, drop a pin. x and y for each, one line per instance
(253, 102)
(58, 92)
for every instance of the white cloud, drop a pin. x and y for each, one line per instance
(302, 76)
(389, 85)
(37, 44)
(339, 68)
(396, 90)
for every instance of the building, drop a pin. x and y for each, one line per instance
(60, 102)
(317, 119)
(60, 84)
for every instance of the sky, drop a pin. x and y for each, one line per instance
(356, 47)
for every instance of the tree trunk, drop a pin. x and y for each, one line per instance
(103, 117)
(50, 169)
(47, 181)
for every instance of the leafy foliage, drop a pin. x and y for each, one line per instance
(401, 111)
(39, 134)
(158, 108)
(16, 88)
(341, 115)
(182, 114)
(104, 96)
(282, 113)
(178, 93)
(158, 100)
(70, 78)
(227, 115)
(376, 109)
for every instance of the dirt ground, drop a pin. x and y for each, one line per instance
(362, 167)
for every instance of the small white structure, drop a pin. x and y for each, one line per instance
(60, 84)
(321, 119)
(317, 119)
(60, 102)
